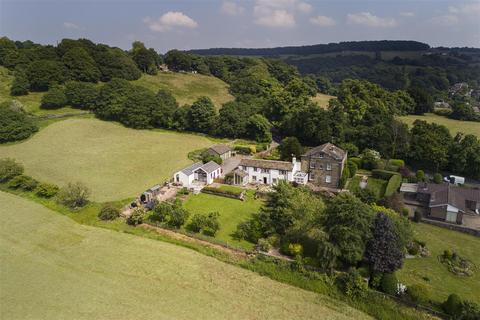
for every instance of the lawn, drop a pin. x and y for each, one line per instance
(467, 127)
(440, 281)
(54, 268)
(113, 161)
(322, 99)
(188, 87)
(232, 212)
(378, 186)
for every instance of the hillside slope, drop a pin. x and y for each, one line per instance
(53, 268)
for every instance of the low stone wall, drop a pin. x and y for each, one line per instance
(455, 227)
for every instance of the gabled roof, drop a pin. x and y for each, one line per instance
(267, 164)
(209, 167)
(189, 170)
(220, 149)
(328, 149)
(448, 194)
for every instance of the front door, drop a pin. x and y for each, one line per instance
(265, 180)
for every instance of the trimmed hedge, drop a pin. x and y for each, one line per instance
(383, 174)
(396, 162)
(246, 150)
(357, 161)
(393, 184)
(223, 191)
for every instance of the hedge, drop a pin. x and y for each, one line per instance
(396, 162)
(226, 192)
(383, 174)
(244, 150)
(357, 161)
(393, 184)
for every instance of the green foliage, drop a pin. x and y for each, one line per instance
(206, 157)
(109, 211)
(403, 227)
(423, 100)
(55, 98)
(351, 149)
(418, 293)
(46, 190)
(81, 95)
(352, 167)
(250, 230)
(370, 159)
(164, 114)
(20, 84)
(73, 195)
(417, 216)
(437, 178)
(136, 217)
(15, 125)
(393, 185)
(207, 224)
(357, 161)
(147, 60)
(289, 147)
(232, 120)
(22, 182)
(420, 175)
(345, 175)
(9, 169)
(389, 283)
(366, 195)
(453, 305)
(171, 214)
(245, 150)
(396, 162)
(259, 128)
(44, 73)
(353, 284)
(115, 63)
(226, 190)
(202, 116)
(383, 174)
(463, 155)
(80, 65)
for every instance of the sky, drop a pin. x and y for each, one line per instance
(195, 24)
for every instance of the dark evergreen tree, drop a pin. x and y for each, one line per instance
(290, 147)
(202, 115)
(80, 65)
(20, 84)
(55, 98)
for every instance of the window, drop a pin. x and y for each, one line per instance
(311, 176)
(312, 165)
(320, 155)
(274, 181)
(328, 179)
(265, 171)
(254, 178)
(283, 172)
(329, 166)
(320, 167)
(255, 169)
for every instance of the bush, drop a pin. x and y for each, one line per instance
(249, 230)
(15, 125)
(383, 174)
(352, 168)
(170, 214)
(74, 195)
(109, 212)
(396, 162)
(46, 190)
(418, 294)
(207, 224)
(263, 245)
(417, 216)
(210, 157)
(405, 212)
(23, 182)
(81, 94)
(55, 98)
(136, 217)
(9, 169)
(350, 148)
(420, 175)
(225, 190)
(245, 150)
(393, 184)
(366, 195)
(453, 305)
(437, 178)
(357, 161)
(353, 284)
(183, 192)
(389, 283)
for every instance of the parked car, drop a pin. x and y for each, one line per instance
(454, 179)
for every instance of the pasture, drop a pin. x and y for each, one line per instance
(232, 212)
(322, 99)
(433, 274)
(54, 268)
(113, 161)
(467, 127)
(187, 87)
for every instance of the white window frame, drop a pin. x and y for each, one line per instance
(328, 179)
(329, 167)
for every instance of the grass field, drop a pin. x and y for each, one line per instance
(232, 212)
(322, 99)
(441, 282)
(113, 161)
(54, 268)
(467, 127)
(378, 186)
(188, 87)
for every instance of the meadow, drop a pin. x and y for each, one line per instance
(232, 212)
(467, 127)
(434, 275)
(377, 186)
(322, 99)
(187, 87)
(113, 161)
(54, 268)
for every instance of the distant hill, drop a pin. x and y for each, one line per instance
(367, 46)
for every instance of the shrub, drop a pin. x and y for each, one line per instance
(413, 249)
(393, 184)
(344, 177)
(370, 159)
(55, 98)
(396, 162)
(405, 212)
(470, 311)
(109, 212)
(249, 230)
(350, 148)
(15, 125)
(417, 216)
(46, 190)
(295, 249)
(228, 179)
(353, 284)
(420, 175)
(437, 178)
(453, 305)
(183, 192)
(210, 157)
(226, 190)
(246, 150)
(136, 217)
(352, 167)
(74, 195)
(418, 294)
(170, 214)
(366, 195)
(383, 174)
(263, 245)
(9, 169)
(357, 161)
(208, 224)
(389, 283)
(23, 182)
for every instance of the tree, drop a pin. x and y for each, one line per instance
(15, 125)
(464, 155)
(20, 84)
(46, 190)
(202, 115)
(73, 195)
(290, 147)
(138, 107)
(80, 65)
(111, 99)
(347, 221)
(44, 73)
(232, 121)
(55, 98)
(178, 61)
(208, 224)
(146, 59)
(453, 305)
(81, 95)
(171, 214)
(115, 63)
(163, 114)
(9, 169)
(259, 128)
(423, 100)
(383, 252)
(109, 212)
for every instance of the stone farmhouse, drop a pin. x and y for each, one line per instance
(198, 173)
(324, 165)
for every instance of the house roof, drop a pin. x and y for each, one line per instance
(189, 170)
(329, 149)
(267, 164)
(220, 149)
(448, 194)
(240, 173)
(209, 167)
(154, 188)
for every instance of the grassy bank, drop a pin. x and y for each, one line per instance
(467, 127)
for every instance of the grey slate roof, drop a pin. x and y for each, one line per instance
(448, 194)
(219, 149)
(189, 170)
(329, 149)
(267, 164)
(240, 173)
(209, 167)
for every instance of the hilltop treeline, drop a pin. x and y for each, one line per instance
(382, 45)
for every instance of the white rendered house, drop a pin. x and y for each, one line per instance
(198, 173)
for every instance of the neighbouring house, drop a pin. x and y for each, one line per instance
(198, 173)
(221, 150)
(150, 194)
(445, 202)
(324, 165)
(268, 172)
